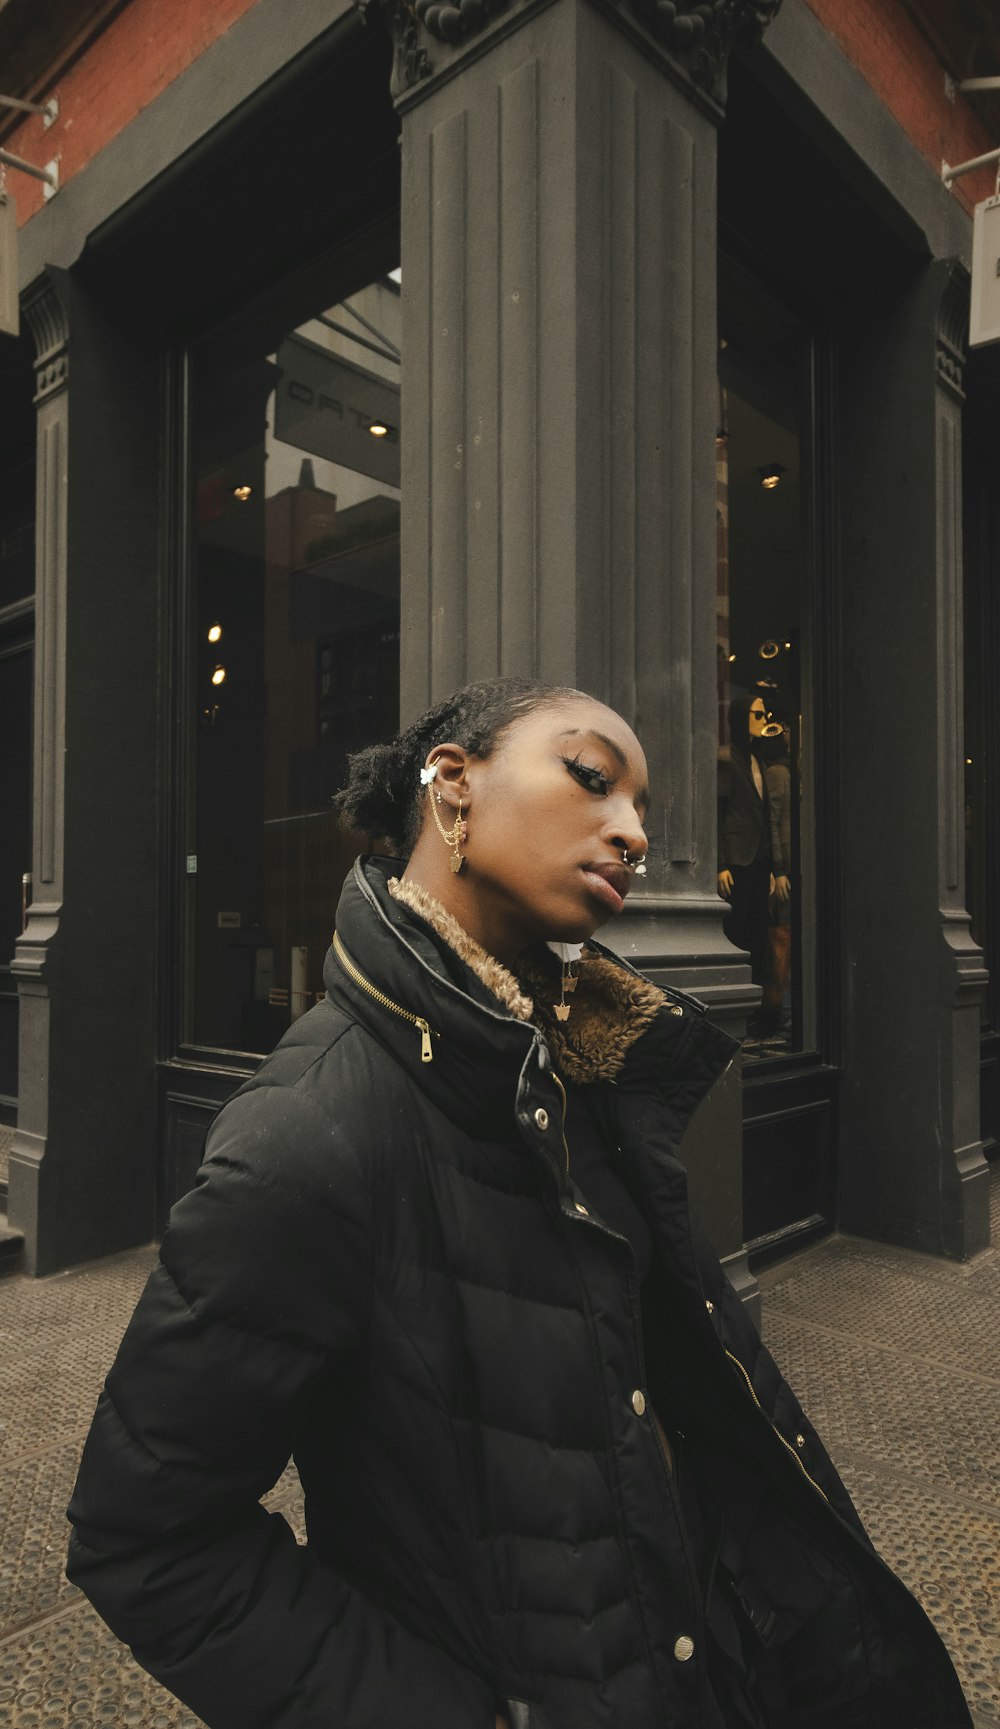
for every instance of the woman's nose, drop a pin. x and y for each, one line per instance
(629, 836)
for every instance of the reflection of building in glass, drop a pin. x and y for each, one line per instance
(303, 570)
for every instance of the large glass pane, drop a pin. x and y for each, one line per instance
(766, 786)
(296, 455)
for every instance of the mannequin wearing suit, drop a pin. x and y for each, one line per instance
(745, 877)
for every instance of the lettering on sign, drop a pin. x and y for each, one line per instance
(334, 409)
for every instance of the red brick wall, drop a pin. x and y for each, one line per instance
(150, 41)
(895, 59)
(142, 51)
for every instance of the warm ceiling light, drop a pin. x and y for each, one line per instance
(214, 632)
(771, 474)
(219, 675)
(242, 493)
(732, 657)
(378, 429)
(768, 649)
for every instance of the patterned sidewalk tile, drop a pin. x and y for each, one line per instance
(936, 1424)
(951, 1564)
(35, 1534)
(896, 1305)
(72, 1673)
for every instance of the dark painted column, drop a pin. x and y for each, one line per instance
(81, 1167)
(912, 1167)
(560, 400)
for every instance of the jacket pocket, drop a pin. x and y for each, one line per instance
(780, 1581)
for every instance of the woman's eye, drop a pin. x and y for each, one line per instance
(593, 779)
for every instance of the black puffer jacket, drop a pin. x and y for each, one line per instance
(385, 1271)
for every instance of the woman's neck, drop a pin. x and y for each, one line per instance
(429, 867)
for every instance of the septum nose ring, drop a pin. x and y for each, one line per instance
(636, 865)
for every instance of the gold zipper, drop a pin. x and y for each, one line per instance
(354, 971)
(786, 1444)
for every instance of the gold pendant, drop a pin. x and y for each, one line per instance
(457, 861)
(562, 1011)
(569, 984)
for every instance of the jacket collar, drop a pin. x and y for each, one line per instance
(478, 1047)
(401, 959)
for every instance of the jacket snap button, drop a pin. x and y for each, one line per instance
(710, 1306)
(638, 1402)
(684, 1648)
(541, 1118)
(675, 1009)
(800, 1440)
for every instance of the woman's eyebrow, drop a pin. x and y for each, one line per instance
(591, 732)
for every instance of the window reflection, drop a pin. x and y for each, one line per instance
(764, 863)
(297, 566)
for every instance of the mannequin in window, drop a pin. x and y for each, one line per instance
(745, 876)
(776, 762)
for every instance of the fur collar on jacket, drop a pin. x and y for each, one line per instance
(611, 1006)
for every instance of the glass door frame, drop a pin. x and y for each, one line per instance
(335, 273)
(790, 1100)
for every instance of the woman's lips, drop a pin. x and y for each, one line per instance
(610, 883)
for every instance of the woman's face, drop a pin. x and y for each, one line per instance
(551, 813)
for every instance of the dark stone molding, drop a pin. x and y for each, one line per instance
(700, 37)
(696, 36)
(411, 62)
(46, 306)
(952, 330)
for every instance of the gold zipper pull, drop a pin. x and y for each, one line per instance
(426, 1053)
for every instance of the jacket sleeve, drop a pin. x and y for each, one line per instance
(262, 1296)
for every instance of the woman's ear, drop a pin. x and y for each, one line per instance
(451, 781)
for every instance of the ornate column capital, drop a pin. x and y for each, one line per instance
(698, 35)
(694, 36)
(47, 309)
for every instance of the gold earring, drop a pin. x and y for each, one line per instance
(454, 837)
(567, 985)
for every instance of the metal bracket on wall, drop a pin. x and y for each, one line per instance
(50, 173)
(49, 110)
(948, 174)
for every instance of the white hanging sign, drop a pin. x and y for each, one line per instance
(9, 308)
(984, 316)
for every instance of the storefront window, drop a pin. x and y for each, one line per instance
(296, 529)
(766, 856)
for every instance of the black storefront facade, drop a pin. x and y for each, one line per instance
(553, 338)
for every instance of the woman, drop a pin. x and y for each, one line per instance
(439, 1252)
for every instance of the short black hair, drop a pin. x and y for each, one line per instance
(383, 794)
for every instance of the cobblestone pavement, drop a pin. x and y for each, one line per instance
(895, 1356)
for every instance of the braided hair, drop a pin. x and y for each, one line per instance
(383, 794)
